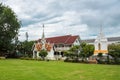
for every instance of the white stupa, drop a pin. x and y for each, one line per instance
(101, 44)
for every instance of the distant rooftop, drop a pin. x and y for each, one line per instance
(114, 39)
(109, 39)
(88, 40)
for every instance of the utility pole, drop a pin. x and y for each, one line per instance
(26, 34)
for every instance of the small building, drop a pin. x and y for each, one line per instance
(115, 40)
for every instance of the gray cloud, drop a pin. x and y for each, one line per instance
(77, 17)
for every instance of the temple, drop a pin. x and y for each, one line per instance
(55, 46)
(101, 44)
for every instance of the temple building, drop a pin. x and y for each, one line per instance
(55, 46)
(41, 44)
(62, 43)
(101, 44)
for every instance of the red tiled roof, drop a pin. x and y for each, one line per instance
(67, 39)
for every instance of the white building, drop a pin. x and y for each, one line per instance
(62, 43)
(101, 44)
(55, 46)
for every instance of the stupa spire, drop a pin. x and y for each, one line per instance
(43, 36)
(101, 31)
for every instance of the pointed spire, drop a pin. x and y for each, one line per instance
(101, 34)
(43, 36)
(101, 29)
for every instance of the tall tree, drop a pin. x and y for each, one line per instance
(87, 50)
(114, 51)
(9, 26)
(25, 48)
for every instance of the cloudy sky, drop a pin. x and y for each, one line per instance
(64, 17)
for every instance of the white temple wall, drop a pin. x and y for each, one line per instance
(104, 46)
(96, 46)
(51, 55)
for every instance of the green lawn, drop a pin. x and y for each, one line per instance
(56, 70)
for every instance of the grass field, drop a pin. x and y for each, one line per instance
(56, 70)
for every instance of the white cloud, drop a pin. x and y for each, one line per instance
(61, 17)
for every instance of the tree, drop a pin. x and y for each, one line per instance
(86, 50)
(69, 54)
(25, 48)
(114, 51)
(9, 26)
(43, 53)
(72, 54)
(74, 51)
